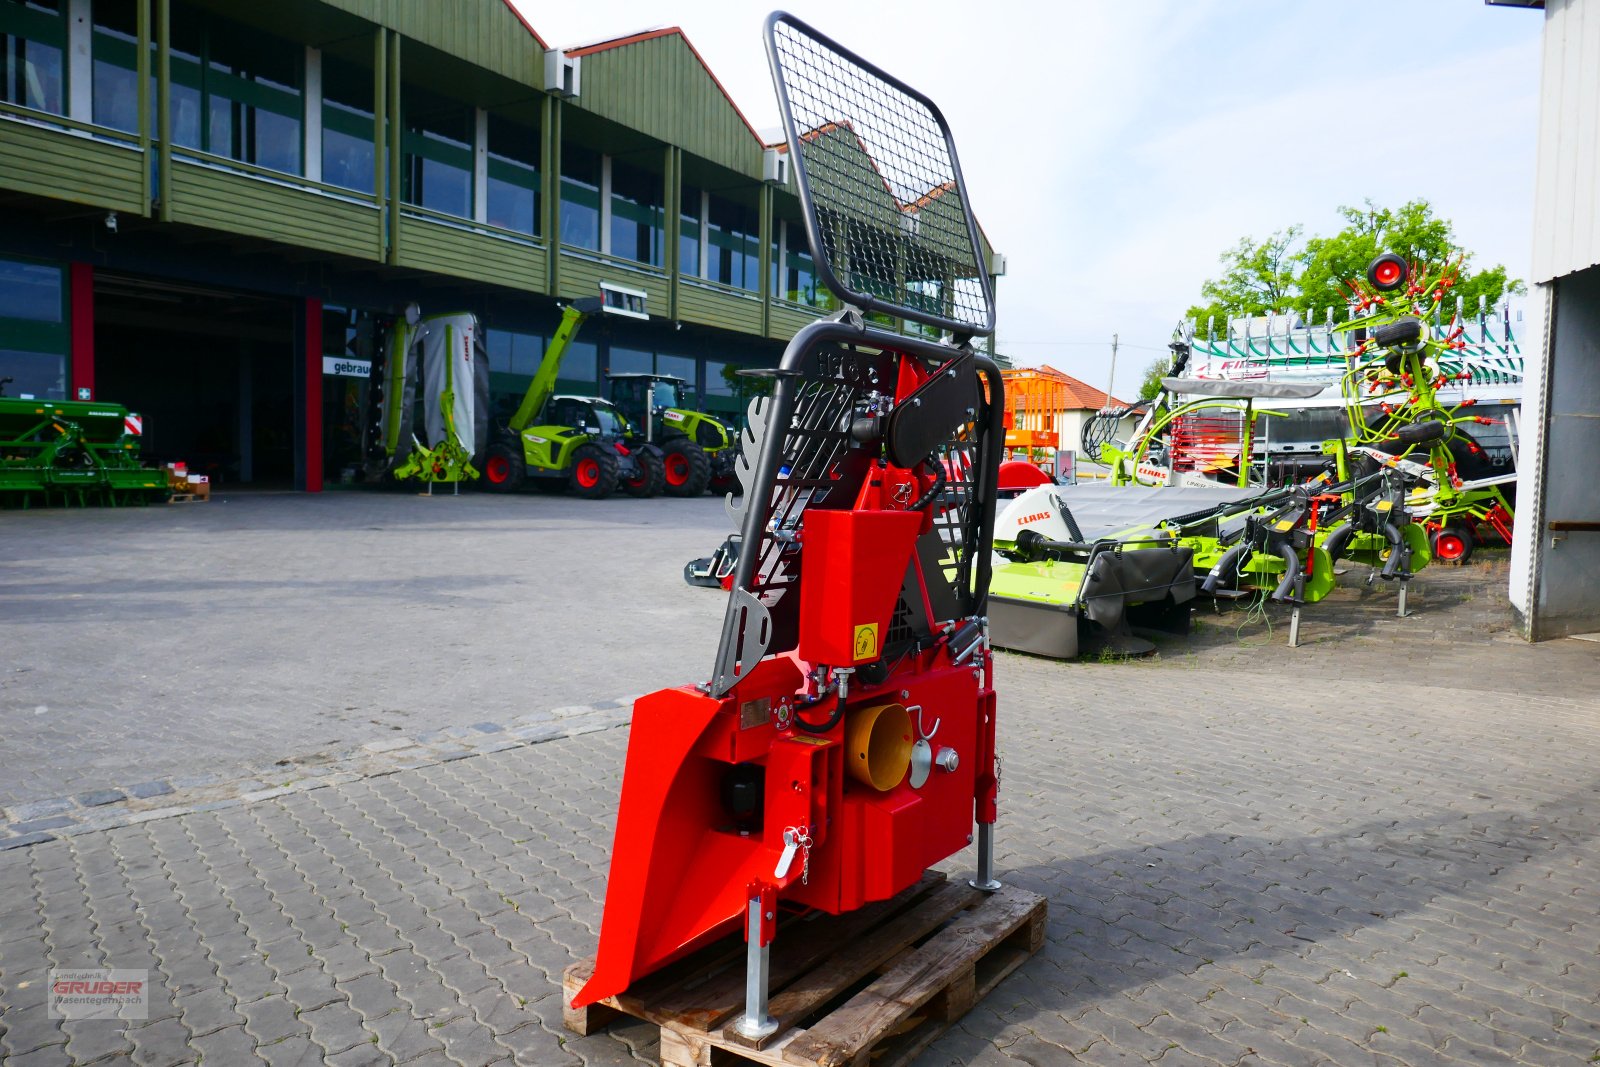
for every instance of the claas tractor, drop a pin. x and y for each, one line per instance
(844, 739)
(583, 443)
(697, 450)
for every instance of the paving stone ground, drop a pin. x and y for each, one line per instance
(1378, 848)
(142, 645)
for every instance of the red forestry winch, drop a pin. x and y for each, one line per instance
(846, 739)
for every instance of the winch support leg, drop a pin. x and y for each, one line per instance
(985, 880)
(760, 919)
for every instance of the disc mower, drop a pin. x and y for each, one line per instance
(844, 740)
(441, 359)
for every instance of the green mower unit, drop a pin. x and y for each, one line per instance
(697, 450)
(73, 453)
(437, 364)
(582, 443)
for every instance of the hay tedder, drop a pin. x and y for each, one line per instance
(55, 452)
(845, 739)
(1390, 498)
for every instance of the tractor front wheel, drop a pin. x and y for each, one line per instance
(649, 475)
(1453, 544)
(504, 469)
(688, 469)
(594, 472)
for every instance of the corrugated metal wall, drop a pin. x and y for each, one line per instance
(1566, 214)
(659, 87)
(487, 32)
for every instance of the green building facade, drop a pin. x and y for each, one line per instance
(209, 205)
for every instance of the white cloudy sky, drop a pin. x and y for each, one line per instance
(1114, 148)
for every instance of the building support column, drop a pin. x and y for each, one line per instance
(80, 280)
(146, 134)
(672, 198)
(396, 126)
(480, 165)
(313, 112)
(764, 229)
(308, 395)
(380, 134)
(80, 61)
(163, 192)
(550, 190)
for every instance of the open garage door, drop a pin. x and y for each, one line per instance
(211, 370)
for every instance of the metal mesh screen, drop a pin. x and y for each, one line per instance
(888, 218)
(819, 468)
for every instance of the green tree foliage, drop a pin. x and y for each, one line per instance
(1151, 384)
(1274, 275)
(1257, 277)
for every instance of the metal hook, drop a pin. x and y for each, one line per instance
(927, 735)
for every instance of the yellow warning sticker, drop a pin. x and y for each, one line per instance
(866, 642)
(1285, 524)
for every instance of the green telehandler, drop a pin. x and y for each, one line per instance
(583, 443)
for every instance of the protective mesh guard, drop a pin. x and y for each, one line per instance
(819, 469)
(886, 212)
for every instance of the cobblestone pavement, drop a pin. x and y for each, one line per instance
(1274, 860)
(144, 648)
(1377, 848)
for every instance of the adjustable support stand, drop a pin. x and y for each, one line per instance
(755, 1023)
(985, 879)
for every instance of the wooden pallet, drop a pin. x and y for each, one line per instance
(875, 986)
(189, 498)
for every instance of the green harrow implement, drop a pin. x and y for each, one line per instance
(55, 452)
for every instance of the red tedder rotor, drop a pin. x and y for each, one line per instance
(845, 740)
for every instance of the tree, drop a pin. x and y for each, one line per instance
(1151, 383)
(1271, 275)
(1258, 277)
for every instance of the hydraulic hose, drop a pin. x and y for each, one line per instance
(934, 490)
(1338, 539)
(823, 727)
(1225, 565)
(1285, 588)
(1397, 545)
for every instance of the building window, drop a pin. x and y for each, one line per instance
(347, 125)
(115, 50)
(579, 368)
(580, 197)
(638, 219)
(33, 38)
(795, 275)
(33, 330)
(630, 361)
(513, 176)
(438, 153)
(513, 359)
(689, 233)
(516, 354)
(734, 249)
(252, 97)
(188, 100)
(683, 367)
